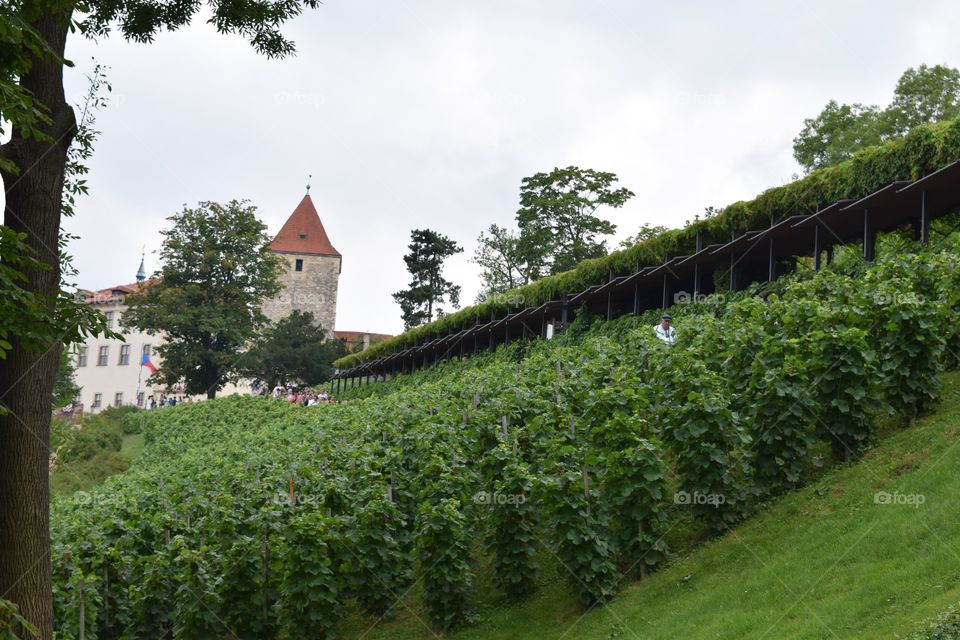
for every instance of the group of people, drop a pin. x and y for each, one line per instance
(166, 401)
(307, 397)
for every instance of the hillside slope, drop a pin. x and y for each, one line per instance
(824, 562)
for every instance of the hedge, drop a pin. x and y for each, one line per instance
(919, 153)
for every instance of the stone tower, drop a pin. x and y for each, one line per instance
(313, 268)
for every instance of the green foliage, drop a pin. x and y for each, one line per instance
(558, 228)
(922, 96)
(379, 564)
(925, 94)
(11, 621)
(779, 411)
(295, 349)
(306, 563)
(215, 273)
(945, 627)
(103, 431)
(443, 551)
(65, 389)
(580, 528)
(514, 520)
(595, 431)
(502, 266)
(908, 318)
(428, 288)
(839, 131)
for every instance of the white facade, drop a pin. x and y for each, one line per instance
(109, 372)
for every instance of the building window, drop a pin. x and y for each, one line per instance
(82, 357)
(118, 399)
(109, 315)
(146, 350)
(103, 355)
(303, 236)
(140, 398)
(124, 354)
(97, 399)
(299, 265)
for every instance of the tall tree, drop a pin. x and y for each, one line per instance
(922, 95)
(428, 288)
(925, 94)
(502, 266)
(33, 163)
(646, 232)
(837, 133)
(215, 273)
(294, 349)
(558, 225)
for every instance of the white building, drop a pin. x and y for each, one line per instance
(109, 371)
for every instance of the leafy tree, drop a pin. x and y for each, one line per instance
(34, 165)
(836, 134)
(646, 232)
(925, 94)
(558, 228)
(216, 271)
(428, 288)
(293, 349)
(502, 266)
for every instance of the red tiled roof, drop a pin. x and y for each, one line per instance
(304, 233)
(110, 293)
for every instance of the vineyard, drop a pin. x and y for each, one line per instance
(252, 518)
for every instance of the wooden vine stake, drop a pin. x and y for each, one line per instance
(83, 611)
(265, 576)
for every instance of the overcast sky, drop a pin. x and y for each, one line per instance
(429, 113)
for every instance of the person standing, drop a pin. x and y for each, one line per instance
(665, 330)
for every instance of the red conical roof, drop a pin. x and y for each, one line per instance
(304, 233)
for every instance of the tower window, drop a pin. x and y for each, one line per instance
(299, 265)
(303, 236)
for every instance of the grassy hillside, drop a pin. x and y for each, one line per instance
(824, 562)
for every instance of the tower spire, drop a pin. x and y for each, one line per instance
(142, 271)
(309, 178)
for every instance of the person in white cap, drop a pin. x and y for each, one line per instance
(664, 331)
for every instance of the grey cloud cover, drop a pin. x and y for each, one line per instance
(416, 113)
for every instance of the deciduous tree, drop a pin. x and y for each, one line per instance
(295, 349)
(558, 225)
(215, 273)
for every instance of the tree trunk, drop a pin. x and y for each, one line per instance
(26, 378)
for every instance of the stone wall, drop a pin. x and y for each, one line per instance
(313, 289)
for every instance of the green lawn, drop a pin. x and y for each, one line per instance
(824, 562)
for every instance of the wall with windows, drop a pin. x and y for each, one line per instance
(109, 372)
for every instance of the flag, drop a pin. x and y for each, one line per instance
(145, 362)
